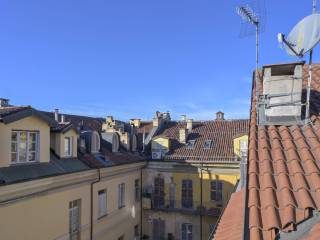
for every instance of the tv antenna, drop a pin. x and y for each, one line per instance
(253, 18)
(301, 40)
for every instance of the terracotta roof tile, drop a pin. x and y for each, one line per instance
(283, 172)
(221, 132)
(230, 227)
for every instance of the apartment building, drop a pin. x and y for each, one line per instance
(194, 167)
(59, 179)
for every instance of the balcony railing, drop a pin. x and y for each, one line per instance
(186, 207)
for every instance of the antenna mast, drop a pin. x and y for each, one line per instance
(250, 16)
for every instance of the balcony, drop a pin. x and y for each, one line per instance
(185, 207)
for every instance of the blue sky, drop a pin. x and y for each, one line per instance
(129, 58)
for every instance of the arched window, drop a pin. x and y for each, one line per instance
(95, 142)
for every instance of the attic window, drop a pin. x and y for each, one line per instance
(207, 144)
(190, 144)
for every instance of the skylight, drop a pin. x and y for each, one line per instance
(190, 144)
(207, 144)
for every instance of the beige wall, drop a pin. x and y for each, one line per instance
(121, 221)
(29, 123)
(46, 215)
(57, 142)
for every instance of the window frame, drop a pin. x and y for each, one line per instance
(75, 211)
(187, 193)
(185, 227)
(100, 213)
(216, 190)
(121, 195)
(137, 194)
(28, 143)
(158, 193)
(70, 146)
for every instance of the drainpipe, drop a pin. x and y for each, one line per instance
(91, 207)
(201, 204)
(141, 203)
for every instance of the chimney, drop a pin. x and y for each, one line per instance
(220, 116)
(183, 135)
(56, 114)
(4, 102)
(136, 122)
(183, 118)
(109, 119)
(62, 118)
(189, 124)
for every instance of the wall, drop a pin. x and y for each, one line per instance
(46, 215)
(29, 123)
(174, 173)
(236, 144)
(160, 144)
(118, 222)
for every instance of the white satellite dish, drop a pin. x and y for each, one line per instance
(303, 37)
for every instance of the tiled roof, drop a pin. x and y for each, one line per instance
(283, 171)
(221, 132)
(81, 122)
(231, 223)
(5, 111)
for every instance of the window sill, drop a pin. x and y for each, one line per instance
(23, 163)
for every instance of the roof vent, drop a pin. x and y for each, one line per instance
(4, 102)
(220, 115)
(280, 102)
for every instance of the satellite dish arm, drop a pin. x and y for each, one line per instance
(290, 47)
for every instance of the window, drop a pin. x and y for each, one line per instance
(158, 198)
(172, 194)
(207, 144)
(158, 229)
(24, 146)
(121, 195)
(68, 146)
(102, 195)
(137, 189)
(74, 219)
(216, 190)
(187, 194)
(186, 231)
(95, 142)
(190, 144)
(136, 231)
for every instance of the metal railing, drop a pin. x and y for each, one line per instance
(188, 207)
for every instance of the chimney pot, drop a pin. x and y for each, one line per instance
(56, 114)
(189, 124)
(62, 118)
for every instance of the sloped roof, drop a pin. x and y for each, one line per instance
(283, 171)
(221, 132)
(231, 223)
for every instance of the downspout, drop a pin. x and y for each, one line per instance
(141, 203)
(91, 201)
(201, 204)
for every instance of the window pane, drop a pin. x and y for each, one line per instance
(13, 157)
(13, 147)
(32, 146)
(32, 156)
(32, 137)
(14, 136)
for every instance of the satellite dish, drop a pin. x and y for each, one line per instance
(303, 37)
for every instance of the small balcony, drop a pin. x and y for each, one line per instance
(185, 207)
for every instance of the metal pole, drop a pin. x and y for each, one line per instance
(314, 6)
(309, 88)
(257, 64)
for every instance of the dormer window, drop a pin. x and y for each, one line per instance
(190, 144)
(207, 144)
(24, 146)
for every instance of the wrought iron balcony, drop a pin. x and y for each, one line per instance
(186, 207)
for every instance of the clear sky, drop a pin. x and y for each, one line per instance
(129, 58)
